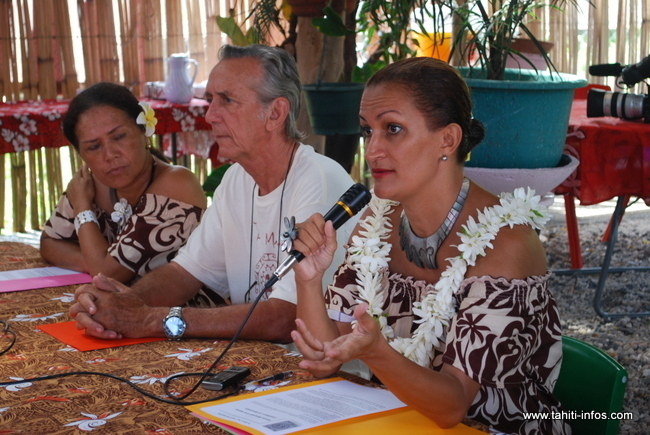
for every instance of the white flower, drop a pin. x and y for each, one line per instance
(197, 111)
(20, 143)
(7, 134)
(188, 354)
(368, 255)
(177, 114)
(28, 126)
(92, 421)
(147, 118)
(35, 317)
(151, 379)
(188, 123)
(122, 213)
(17, 387)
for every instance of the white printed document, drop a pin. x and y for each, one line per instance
(294, 409)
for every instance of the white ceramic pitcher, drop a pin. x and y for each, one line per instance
(179, 86)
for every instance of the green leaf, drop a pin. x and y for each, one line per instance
(214, 179)
(253, 36)
(229, 26)
(331, 24)
(362, 74)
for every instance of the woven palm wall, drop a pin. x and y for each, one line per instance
(122, 41)
(618, 31)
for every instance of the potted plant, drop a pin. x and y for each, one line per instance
(525, 111)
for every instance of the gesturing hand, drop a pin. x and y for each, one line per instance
(323, 359)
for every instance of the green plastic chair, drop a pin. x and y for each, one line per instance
(590, 380)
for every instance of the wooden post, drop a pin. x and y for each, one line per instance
(316, 51)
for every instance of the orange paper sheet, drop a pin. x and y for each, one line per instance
(68, 333)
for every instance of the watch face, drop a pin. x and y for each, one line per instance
(175, 326)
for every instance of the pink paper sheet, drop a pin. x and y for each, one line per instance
(15, 285)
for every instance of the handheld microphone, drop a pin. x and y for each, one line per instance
(352, 201)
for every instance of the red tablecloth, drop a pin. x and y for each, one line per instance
(614, 157)
(29, 125)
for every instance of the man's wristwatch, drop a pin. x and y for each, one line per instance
(174, 325)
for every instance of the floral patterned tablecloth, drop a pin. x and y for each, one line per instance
(100, 405)
(29, 125)
(94, 404)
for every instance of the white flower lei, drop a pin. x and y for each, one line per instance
(368, 255)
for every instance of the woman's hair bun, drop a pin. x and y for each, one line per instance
(476, 134)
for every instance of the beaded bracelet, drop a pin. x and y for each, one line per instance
(83, 218)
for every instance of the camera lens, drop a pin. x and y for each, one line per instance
(618, 104)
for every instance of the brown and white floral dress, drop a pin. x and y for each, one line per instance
(154, 233)
(505, 335)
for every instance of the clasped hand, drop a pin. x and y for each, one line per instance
(108, 309)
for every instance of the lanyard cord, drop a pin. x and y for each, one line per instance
(250, 249)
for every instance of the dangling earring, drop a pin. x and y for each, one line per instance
(444, 158)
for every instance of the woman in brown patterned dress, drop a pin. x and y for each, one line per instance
(447, 283)
(126, 211)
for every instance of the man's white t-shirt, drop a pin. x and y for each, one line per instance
(238, 239)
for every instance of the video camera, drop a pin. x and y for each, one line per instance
(618, 104)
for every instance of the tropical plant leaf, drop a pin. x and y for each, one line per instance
(229, 26)
(362, 74)
(214, 179)
(331, 24)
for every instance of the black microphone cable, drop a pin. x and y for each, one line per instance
(174, 399)
(352, 201)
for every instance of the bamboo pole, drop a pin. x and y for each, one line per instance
(175, 39)
(129, 44)
(15, 44)
(28, 53)
(43, 29)
(70, 81)
(108, 60)
(150, 34)
(35, 190)
(195, 37)
(54, 178)
(6, 47)
(89, 40)
(139, 39)
(7, 51)
(213, 34)
(621, 31)
(17, 176)
(75, 160)
(19, 191)
(44, 199)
